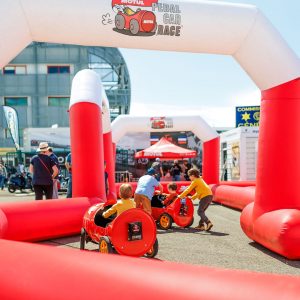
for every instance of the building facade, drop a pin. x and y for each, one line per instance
(37, 83)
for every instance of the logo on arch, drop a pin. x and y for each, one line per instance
(144, 18)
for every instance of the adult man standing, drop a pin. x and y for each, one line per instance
(44, 171)
(55, 159)
(145, 190)
(3, 175)
(157, 168)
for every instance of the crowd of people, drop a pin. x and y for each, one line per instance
(175, 171)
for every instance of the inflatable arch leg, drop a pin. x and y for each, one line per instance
(85, 126)
(109, 157)
(210, 164)
(274, 219)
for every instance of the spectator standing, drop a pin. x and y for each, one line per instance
(55, 159)
(145, 190)
(3, 175)
(175, 171)
(106, 179)
(68, 165)
(44, 171)
(186, 166)
(158, 169)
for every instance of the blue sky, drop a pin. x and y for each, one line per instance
(173, 83)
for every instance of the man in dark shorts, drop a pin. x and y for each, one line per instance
(44, 170)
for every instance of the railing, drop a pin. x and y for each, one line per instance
(123, 176)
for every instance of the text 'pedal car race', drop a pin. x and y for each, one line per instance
(180, 211)
(132, 233)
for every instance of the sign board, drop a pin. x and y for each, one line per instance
(247, 116)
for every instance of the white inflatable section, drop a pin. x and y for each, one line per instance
(86, 87)
(206, 26)
(126, 123)
(106, 125)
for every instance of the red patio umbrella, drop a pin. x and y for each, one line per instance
(165, 150)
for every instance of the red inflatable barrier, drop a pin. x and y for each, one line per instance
(238, 183)
(45, 272)
(234, 196)
(42, 220)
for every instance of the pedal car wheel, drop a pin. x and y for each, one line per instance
(82, 238)
(105, 245)
(134, 26)
(153, 250)
(120, 22)
(165, 221)
(190, 224)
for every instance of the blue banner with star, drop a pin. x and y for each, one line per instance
(247, 116)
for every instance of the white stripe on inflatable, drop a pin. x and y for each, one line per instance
(126, 123)
(106, 125)
(86, 87)
(206, 26)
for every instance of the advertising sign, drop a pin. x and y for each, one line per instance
(247, 116)
(12, 124)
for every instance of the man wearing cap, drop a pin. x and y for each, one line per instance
(145, 190)
(44, 170)
(157, 168)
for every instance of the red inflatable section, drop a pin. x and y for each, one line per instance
(87, 150)
(234, 196)
(45, 272)
(42, 220)
(275, 215)
(110, 165)
(210, 164)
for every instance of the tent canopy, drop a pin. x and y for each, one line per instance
(165, 150)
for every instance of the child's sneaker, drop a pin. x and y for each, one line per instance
(200, 227)
(209, 226)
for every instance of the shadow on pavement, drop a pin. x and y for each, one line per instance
(291, 263)
(192, 230)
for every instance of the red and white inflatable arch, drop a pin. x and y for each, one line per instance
(203, 26)
(126, 123)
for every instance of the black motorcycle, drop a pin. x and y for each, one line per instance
(20, 182)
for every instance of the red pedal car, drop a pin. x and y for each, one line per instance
(132, 233)
(180, 211)
(136, 21)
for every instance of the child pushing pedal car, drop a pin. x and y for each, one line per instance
(203, 193)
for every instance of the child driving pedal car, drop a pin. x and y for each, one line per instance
(124, 203)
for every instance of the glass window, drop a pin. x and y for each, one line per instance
(58, 69)
(14, 70)
(59, 101)
(15, 101)
(64, 69)
(9, 70)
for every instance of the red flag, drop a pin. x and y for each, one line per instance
(145, 3)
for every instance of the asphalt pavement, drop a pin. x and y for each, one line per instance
(225, 246)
